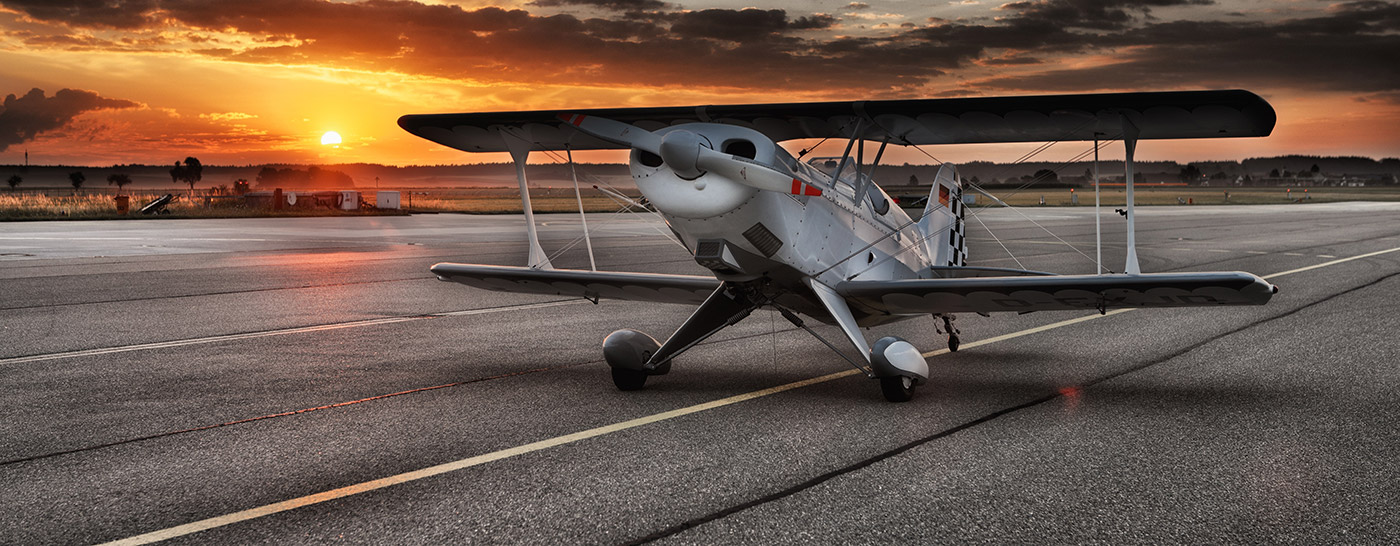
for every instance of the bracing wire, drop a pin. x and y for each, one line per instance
(616, 215)
(1023, 158)
(998, 240)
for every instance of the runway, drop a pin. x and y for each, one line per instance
(305, 380)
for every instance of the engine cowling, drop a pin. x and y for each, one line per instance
(683, 189)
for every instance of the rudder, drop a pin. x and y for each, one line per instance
(942, 226)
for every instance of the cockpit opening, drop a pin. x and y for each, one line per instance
(741, 148)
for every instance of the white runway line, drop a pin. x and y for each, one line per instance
(363, 487)
(282, 332)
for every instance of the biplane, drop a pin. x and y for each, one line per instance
(819, 237)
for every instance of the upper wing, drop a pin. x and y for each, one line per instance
(584, 284)
(1158, 115)
(1058, 292)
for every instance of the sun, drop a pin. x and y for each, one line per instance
(330, 138)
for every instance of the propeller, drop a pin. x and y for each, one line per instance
(615, 131)
(687, 155)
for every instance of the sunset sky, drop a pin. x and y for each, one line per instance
(99, 82)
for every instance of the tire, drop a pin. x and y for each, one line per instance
(897, 389)
(628, 380)
(953, 343)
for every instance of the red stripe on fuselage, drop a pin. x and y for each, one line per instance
(798, 188)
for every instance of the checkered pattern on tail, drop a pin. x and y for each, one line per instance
(942, 225)
(957, 236)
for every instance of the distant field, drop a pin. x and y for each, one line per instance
(507, 200)
(1147, 195)
(51, 204)
(60, 204)
(97, 205)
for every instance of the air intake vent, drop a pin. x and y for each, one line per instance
(709, 248)
(714, 254)
(763, 240)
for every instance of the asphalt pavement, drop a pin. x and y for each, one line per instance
(307, 380)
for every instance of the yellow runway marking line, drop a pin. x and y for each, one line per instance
(1035, 330)
(1325, 264)
(269, 333)
(220, 521)
(266, 510)
(277, 507)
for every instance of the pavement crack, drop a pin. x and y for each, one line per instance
(335, 405)
(221, 293)
(879, 457)
(282, 414)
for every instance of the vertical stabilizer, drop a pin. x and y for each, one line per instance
(941, 226)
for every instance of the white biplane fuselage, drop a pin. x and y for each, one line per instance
(825, 228)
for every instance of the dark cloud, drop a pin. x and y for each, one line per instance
(1349, 45)
(614, 5)
(1010, 61)
(731, 25)
(1092, 14)
(23, 118)
(816, 21)
(1351, 48)
(121, 14)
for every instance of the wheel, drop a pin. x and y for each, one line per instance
(953, 343)
(898, 388)
(629, 380)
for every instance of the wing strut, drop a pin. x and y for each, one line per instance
(1098, 231)
(581, 217)
(721, 309)
(519, 152)
(1130, 138)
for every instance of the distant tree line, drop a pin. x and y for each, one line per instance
(312, 177)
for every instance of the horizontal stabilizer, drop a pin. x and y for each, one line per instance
(1058, 292)
(652, 287)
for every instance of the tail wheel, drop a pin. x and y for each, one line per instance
(628, 380)
(897, 389)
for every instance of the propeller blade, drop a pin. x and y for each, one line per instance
(752, 174)
(615, 131)
(683, 152)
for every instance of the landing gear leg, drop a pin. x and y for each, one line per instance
(953, 339)
(633, 356)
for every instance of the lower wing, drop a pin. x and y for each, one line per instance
(1058, 292)
(593, 285)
